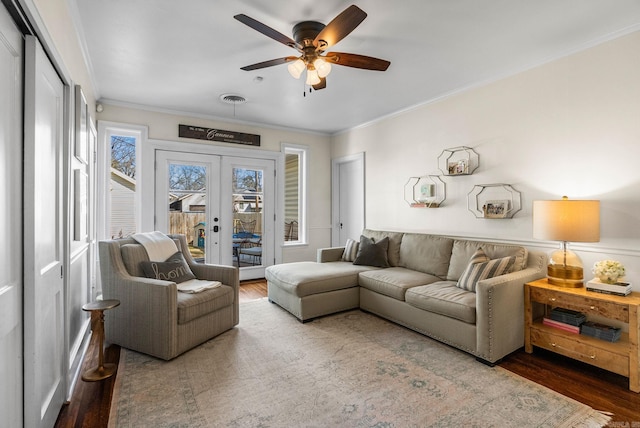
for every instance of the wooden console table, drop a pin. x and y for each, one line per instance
(621, 357)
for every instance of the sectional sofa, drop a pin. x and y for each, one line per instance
(466, 293)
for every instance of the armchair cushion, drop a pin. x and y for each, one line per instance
(132, 256)
(192, 306)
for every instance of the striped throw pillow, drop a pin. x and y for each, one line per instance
(350, 250)
(480, 267)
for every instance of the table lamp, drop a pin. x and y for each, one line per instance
(566, 221)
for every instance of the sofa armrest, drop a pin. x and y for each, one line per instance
(332, 254)
(500, 313)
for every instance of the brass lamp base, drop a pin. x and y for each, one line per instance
(565, 276)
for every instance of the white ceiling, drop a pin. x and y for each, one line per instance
(182, 55)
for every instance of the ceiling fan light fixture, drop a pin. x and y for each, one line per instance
(312, 76)
(322, 66)
(296, 68)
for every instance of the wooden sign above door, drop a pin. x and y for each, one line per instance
(212, 134)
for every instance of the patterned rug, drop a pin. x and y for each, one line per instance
(351, 369)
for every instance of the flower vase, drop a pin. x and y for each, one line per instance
(608, 279)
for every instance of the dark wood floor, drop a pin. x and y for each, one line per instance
(91, 401)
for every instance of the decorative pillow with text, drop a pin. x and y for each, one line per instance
(174, 269)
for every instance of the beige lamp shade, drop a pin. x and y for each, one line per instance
(567, 220)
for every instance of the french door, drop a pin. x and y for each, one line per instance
(187, 192)
(223, 204)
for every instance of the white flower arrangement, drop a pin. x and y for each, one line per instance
(609, 271)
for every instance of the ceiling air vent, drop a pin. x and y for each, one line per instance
(233, 99)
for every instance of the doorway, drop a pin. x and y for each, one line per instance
(348, 201)
(224, 205)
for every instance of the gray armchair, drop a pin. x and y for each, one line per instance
(153, 317)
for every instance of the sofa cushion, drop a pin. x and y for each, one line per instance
(371, 253)
(394, 281)
(306, 278)
(481, 267)
(395, 239)
(444, 298)
(350, 250)
(426, 253)
(192, 306)
(175, 269)
(463, 250)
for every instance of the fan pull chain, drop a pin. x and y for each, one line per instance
(304, 92)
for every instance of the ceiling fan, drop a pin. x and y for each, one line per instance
(312, 39)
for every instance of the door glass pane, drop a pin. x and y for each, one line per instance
(248, 218)
(188, 205)
(122, 188)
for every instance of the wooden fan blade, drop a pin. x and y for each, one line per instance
(269, 63)
(357, 61)
(321, 85)
(339, 28)
(267, 31)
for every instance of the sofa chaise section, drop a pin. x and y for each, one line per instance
(309, 289)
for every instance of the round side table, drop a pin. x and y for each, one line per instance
(97, 308)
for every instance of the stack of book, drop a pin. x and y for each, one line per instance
(617, 289)
(600, 331)
(565, 319)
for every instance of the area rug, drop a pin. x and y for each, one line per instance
(351, 369)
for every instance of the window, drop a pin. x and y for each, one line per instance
(119, 216)
(294, 194)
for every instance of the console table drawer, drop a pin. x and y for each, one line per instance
(586, 305)
(574, 348)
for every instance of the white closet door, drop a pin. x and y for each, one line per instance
(11, 47)
(44, 343)
(348, 198)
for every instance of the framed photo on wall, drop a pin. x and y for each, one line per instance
(81, 117)
(496, 209)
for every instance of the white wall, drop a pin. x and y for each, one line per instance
(570, 127)
(57, 18)
(164, 126)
